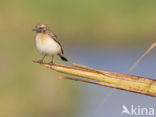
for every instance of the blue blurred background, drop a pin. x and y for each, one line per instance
(106, 34)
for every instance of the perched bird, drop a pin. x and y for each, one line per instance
(46, 43)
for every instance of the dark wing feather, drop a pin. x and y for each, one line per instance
(52, 35)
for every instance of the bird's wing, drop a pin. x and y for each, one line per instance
(52, 35)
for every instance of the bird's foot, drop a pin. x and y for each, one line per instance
(40, 61)
(51, 62)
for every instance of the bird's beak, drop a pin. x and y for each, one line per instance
(34, 29)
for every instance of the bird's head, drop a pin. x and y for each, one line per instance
(41, 28)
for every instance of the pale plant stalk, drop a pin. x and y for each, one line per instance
(110, 79)
(145, 53)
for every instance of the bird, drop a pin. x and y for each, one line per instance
(47, 44)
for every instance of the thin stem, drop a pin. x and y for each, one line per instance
(130, 83)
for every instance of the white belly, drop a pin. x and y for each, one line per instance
(47, 46)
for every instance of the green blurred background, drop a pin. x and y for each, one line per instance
(29, 90)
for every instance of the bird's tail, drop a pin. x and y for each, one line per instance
(62, 57)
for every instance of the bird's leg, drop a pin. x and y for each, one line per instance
(41, 60)
(51, 62)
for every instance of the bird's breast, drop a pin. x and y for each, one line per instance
(46, 45)
(42, 36)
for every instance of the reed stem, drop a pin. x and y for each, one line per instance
(126, 82)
